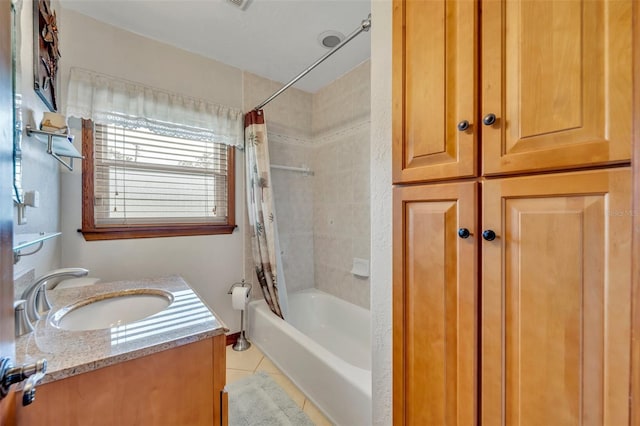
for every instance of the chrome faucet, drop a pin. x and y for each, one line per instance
(36, 296)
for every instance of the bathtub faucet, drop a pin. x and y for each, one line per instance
(36, 296)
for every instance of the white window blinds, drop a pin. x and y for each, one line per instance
(110, 100)
(144, 178)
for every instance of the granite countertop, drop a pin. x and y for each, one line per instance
(187, 319)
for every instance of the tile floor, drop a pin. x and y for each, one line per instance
(245, 363)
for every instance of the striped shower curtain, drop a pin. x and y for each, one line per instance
(260, 207)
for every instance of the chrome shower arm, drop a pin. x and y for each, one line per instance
(364, 26)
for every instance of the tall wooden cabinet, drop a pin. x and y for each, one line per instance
(557, 77)
(555, 90)
(555, 299)
(435, 88)
(435, 304)
(512, 212)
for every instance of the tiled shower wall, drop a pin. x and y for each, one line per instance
(323, 220)
(289, 133)
(341, 225)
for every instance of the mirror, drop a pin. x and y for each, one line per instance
(16, 8)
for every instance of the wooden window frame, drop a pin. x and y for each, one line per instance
(91, 232)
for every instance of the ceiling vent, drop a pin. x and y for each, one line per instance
(330, 39)
(241, 4)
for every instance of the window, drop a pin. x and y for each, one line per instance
(137, 184)
(157, 163)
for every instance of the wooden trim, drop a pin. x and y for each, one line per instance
(634, 400)
(154, 231)
(397, 88)
(8, 409)
(231, 187)
(87, 175)
(398, 296)
(231, 338)
(224, 403)
(91, 232)
(219, 379)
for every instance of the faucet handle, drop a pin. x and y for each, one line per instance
(42, 304)
(22, 323)
(29, 391)
(10, 375)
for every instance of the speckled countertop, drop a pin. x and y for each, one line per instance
(186, 320)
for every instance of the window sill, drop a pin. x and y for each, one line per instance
(123, 233)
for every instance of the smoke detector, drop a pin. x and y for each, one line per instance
(240, 4)
(330, 39)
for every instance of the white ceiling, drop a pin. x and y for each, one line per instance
(276, 39)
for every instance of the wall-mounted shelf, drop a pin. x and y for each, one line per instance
(58, 145)
(22, 241)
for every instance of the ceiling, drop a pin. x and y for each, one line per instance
(276, 39)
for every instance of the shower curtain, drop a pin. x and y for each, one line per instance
(260, 208)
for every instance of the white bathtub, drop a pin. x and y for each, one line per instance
(324, 349)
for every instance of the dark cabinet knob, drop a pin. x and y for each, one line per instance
(489, 119)
(463, 125)
(489, 235)
(463, 233)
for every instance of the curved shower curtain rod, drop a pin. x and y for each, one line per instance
(364, 26)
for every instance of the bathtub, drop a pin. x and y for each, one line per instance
(324, 349)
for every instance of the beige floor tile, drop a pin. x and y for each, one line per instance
(245, 360)
(288, 386)
(235, 375)
(315, 414)
(268, 366)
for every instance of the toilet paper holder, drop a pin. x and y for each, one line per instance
(240, 284)
(242, 344)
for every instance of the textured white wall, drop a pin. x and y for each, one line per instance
(381, 220)
(209, 263)
(40, 171)
(341, 196)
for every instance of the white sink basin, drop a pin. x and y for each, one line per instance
(111, 310)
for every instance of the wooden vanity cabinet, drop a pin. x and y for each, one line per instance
(179, 386)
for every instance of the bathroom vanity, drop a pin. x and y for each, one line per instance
(165, 369)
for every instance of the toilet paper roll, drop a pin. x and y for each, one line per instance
(240, 298)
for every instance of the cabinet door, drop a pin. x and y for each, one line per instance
(434, 305)
(556, 299)
(557, 75)
(434, 89)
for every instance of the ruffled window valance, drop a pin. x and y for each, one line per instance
(111, 100)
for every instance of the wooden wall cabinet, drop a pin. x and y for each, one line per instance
(531, 325)
(554, 91)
